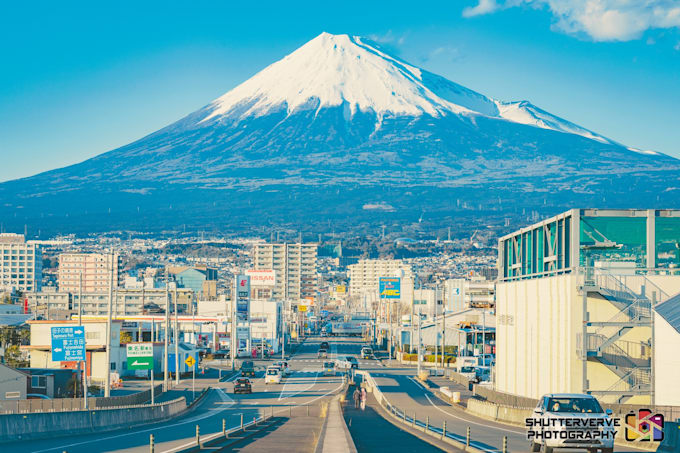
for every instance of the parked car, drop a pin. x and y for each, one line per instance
(482, 374)
(485, 359)
(242, 385)
(329, 368)
(323, 353)
(272, 375)
(248, 368)
(242, 352)
(569, 407)
(366, 352)
(468, 371)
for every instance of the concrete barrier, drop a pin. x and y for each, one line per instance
(40, 425)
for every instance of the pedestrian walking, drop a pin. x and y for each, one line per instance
(357, 397)
(363, 398)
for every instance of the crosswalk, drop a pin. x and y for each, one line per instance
(370, 362)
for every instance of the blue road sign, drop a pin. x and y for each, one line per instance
(68, 344)
(390, 287)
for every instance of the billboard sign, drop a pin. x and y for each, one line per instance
(260, 278)
(341, 289)
(140, 356)
(390, 287)
(68, 344)
(242, 298)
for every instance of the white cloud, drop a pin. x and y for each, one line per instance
(601, 20)
(483, 7)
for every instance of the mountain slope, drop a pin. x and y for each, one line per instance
(334, 127)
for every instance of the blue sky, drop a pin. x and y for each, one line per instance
(81, 79)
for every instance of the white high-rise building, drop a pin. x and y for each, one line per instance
(294, 266)
(20, 264)
(364, 276)
(95, 269)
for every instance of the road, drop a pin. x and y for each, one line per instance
(402, 390)
(306, 385)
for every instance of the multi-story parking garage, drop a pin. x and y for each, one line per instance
(575, 300)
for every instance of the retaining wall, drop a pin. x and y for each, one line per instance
(74, 404)
(39, 425)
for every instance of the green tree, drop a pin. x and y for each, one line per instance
(14, 358)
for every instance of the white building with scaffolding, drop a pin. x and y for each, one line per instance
(574, 304)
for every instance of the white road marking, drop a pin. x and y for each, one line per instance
(460, 418)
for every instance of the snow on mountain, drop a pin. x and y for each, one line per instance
(333, 70)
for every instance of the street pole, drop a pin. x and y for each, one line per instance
(80, 323)
(419, 337)
(107, 383)
(443, 336)
(165, 339)
(232, 354)
(434, 328)
(176, 338)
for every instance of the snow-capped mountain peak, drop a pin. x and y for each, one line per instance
(350, 71)
(332, 70)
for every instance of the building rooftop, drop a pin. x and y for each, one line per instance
(670, 311)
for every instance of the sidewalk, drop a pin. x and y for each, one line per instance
(372, 433)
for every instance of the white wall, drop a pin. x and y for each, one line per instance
(537, 323)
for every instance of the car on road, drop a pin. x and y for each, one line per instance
(242, 352)
(324, 345)
(347, 361)
(242, 385)
(366, 352)
(272, 375)
(588, 427)
(329, 368)
(323, 353)
(467, 371)
(248, 368)
(285, 369)
(324, 333)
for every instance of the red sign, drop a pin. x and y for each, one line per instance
(26, 305)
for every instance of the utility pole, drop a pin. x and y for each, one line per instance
(419, 337)
(176, 337)
(107, 383)
(232, 336)
(167, 324)
(80, 323)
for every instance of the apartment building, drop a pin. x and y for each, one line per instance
(364, 276)
(295, 268)
(20, 264)
(136, 301)
(94, 268)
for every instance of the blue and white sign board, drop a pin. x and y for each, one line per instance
(68, 344)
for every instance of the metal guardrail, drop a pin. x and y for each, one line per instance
(464, 442)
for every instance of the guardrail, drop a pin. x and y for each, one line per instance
(75, 404)
(39, 425)
(465, 443)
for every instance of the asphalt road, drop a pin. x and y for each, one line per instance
(402, 390)
(306, 385)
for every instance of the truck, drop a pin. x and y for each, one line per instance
(347, 329)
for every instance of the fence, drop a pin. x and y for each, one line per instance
(505, 399)
(75, 404)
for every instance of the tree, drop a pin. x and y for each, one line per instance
(14, 357)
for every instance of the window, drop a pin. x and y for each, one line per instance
(39, 382)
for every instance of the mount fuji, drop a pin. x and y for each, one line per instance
(340, 133)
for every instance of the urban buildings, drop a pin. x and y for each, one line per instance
(97, 271)
(20, 264)
(473, 292)
(202, 280)
(294, 266)
(364, 276)
(63, 305)
(574, 303)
